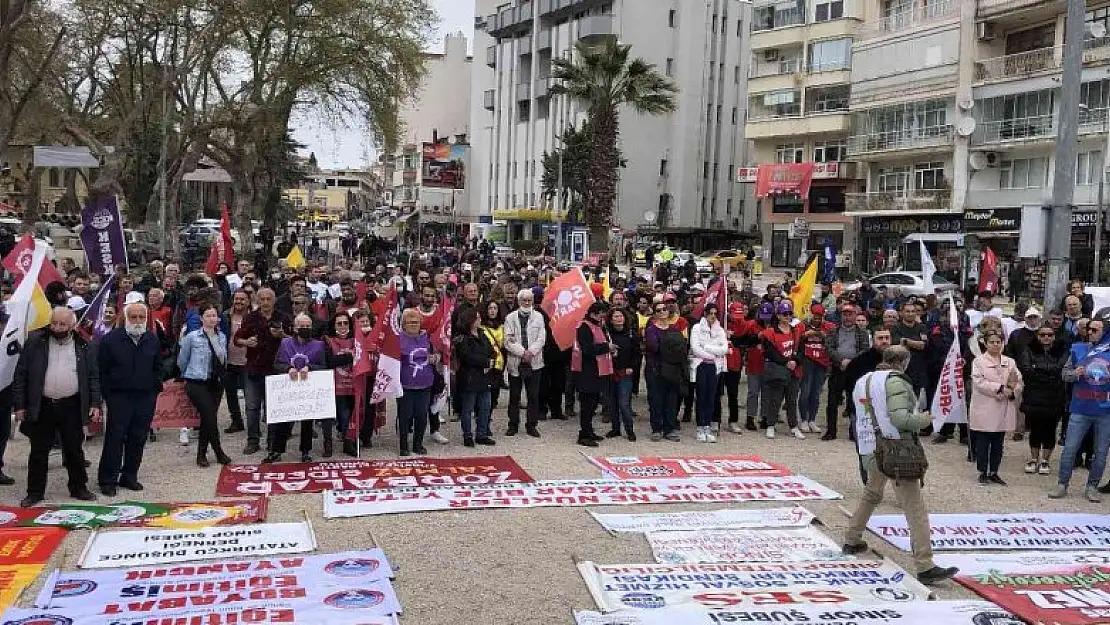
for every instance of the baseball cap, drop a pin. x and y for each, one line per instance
(76, 303)
(1032, 312)
(817, 310)
(134, 297)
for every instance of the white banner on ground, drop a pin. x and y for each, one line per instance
(284, 612)
(300, 400)
(85, 591)
(652, 586)
(1010, 531)
(355, 503)
(918, 613)
(803, 544)
(795, 516)
(1023, 562)
(113, 549)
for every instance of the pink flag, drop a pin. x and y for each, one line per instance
(387, 382)
(716, 294)
(988, 277)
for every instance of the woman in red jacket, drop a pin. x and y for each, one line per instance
(753, 358)
(734, 364)
(782, 369)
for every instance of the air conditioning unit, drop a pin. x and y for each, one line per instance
(771, 55)
(985, 31)
(992, 159)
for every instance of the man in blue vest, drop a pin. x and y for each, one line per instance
(1088, 370)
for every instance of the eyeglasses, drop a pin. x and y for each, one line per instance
(1046, 334)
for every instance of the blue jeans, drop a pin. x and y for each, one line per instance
(1078, 426)
(809, 391)
(621, 402)
(663, 399)
(706, 380)
(344, 408)
(471, 401)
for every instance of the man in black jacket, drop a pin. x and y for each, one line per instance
(55, 389)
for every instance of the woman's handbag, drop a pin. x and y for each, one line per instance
(897, 458)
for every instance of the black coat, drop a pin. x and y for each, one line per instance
(628, 348)
(472, 356)
(129, 367)
(1040, 371)
(30, 375)
(588, 379)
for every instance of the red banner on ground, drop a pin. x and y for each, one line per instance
(794, 178)
(173, 409)
(29, 545)
(648, 468)
(314, 477)
(1076, 595)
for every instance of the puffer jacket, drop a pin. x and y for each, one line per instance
(901, 406)
(1041, 371)
(707, 342)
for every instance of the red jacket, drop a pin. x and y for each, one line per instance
(754, 354)
(813, 342)
(786, 344)
(733, 359)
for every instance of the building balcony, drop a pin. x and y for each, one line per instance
(543, 40)
(524, 91)
(987, 9)
(917, 139)
(542, 87)
(594, 28)
(1020, 65)
(491, 56)
(1020, 130)
(524, 45)
(488, 100)
(491, 23)
(897, 203)
(798, 125)
(547, 8)
(909, 19)
(524, 13)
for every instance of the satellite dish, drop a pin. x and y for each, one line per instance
(649, 217)
(978, 161)
(965, 127)
(1097, 30)
(966, 104)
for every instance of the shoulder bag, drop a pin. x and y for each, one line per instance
(898, 459)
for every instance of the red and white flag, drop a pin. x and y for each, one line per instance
(387, 341)
(18, 262)
(223, 247)
(716, 294)
(949, 402)
(565, 301)
(988, 276)
(442, 339)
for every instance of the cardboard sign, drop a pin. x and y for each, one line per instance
(916, 613)
(801, 544)
(1020, 562)
(144, 547)
(965, 532)
(300, 400)
(723, 586)
(1075, 595)
(173, 410)
(314, 477)
(678, 467)
(795, 516)
(339, 504)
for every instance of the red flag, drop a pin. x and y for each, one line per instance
(18, 262)
(988, 277)
(566, 300)
(442, 339)
(716, 294)
(387, 340)
(361, 368)
(223, 248)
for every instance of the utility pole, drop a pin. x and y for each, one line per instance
(560, 204)
(1067, 150)
(162, 181)
(1100, 212)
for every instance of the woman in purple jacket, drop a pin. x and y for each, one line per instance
(297, 355)
(418, 361)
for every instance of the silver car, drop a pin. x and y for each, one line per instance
(909, 282)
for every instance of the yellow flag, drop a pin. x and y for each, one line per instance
(39, 315)
(605, 288)
(295, 259)
(802, 293)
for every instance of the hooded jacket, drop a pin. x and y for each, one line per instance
(1042, 371)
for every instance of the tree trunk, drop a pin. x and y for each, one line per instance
(604, 162)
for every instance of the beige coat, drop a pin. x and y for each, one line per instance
(514, 344)
(990, 410)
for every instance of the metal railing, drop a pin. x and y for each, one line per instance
(929, 136)
(781, 68)
(1019, 129)
(796, 19)
(908, 18)
(905, 201)
(1018, 65)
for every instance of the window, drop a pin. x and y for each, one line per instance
(663, 167)
(826, 200)
(1088, 166)
(1093, 101)
(734, 115)
(827, 99)
(718, 113)
(670, 67)
(705, 169)
(736, 75)
(739, 28)
(1023, 173)
(789, 153)
(928, 176)
(1097, 16)
(786, 203)
(788, 13)
(713, 28)
(825, 10)
(830, 151)
(55, 177)
(784, 103)
(514, 170)
(830, 54)
(1018, 116)
(671, 18)
(893, 179)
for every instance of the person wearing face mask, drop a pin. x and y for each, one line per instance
(129, 359)
(297, 355)
(203, 361)
(339, 349)
(524, 338)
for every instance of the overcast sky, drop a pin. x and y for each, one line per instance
(351, 146)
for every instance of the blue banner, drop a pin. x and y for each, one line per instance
(828, 266)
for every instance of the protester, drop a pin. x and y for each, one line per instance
(55, 390)
(886, 406)
(781, 372)
(261, 334)
(1089, 409)
(418, 360)
(625, 360)
(493, 327)
(230, 323)
(592, 363)
(665, 371)
(815, 362)
(203, 360)
(474, 357)
(842, 345)
(525, 336)
(996, 385)
(1041, 365)
(708, 349)
(297, 356)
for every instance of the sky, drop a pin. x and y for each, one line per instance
(349, 145)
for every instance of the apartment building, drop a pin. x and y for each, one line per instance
(799, 87)
(678, 176)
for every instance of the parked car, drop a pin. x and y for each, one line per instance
(908, 282)
(680, 258)
(503, 251)
(142, 246)
(712, 260)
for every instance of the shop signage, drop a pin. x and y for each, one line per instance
(1083, 219)
(788, 178)
(821, 171)
(910, 225)
(992, 219)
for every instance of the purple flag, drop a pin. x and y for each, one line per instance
(102, 236)
(94, 314)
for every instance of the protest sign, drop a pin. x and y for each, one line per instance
(173, 410)
(196, 514)
(1019, 562)
(314, 477)
(339, 504)
(1070, 595)
(718, 586)
(918, 613)
(76, 516)
(1001, 531)
(144, 547)
(795, 516)
(648, 468)
(23, 553)
(342, 608)
(154, 590)
(744, 545)
(300, 400)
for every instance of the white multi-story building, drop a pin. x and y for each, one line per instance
(678, 177)
(439, 112)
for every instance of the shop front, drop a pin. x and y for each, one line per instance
(881, 246)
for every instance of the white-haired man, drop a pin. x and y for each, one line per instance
(525, 334)
(129, 360)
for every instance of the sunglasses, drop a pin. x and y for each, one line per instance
(1046, 334)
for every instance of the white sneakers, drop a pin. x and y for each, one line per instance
(804, 426)
(705, 435)
(809, 428)
(771, 432)
(814, 428)
(439, 438)
(798, 434)
(183, 437)
(701, 435)
(735, 428)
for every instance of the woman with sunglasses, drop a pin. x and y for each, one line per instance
(665, 354)
(339, 350)
(1041, 364)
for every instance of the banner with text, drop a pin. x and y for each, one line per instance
(340, 504)
(340, 475)
(23, 554)
(931, 612)
(1076, 595)
(648, 468)
(720, 586)
(144, 547)
(801, 544)
(173, 409)
(1019, 562)
(795, 516)
(951, 532)
(352, 607)
(137, 514)
(305, 399)
(196, 514)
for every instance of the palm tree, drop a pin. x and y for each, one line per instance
(603, 78)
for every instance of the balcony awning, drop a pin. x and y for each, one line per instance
(64, 156)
